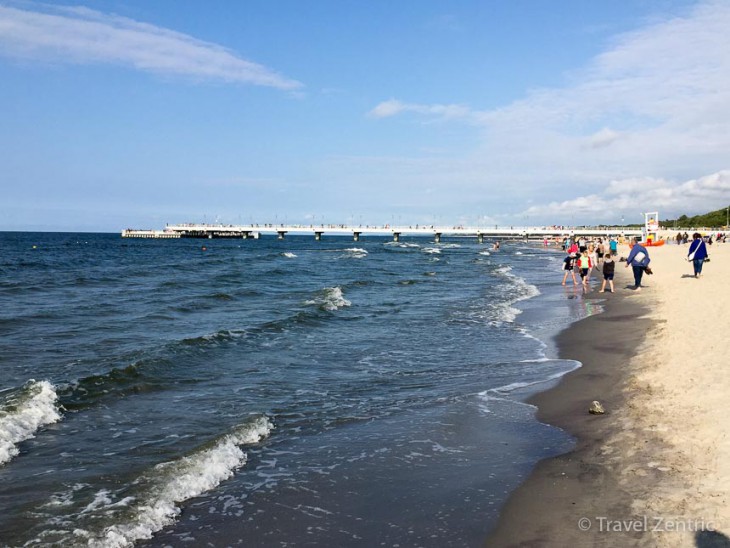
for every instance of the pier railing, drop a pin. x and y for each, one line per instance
(192, 230)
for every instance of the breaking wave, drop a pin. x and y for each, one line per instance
(22, 414)
(330, 299)
(153, 500)
(518, 290)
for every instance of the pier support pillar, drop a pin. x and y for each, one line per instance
(480, 238)
(318, 236)
(281, 234)
(396, 236)
(246, 235)
(356, 236)
(437, 238)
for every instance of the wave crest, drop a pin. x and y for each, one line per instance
(330, 299)
(155, 503)
(24, 413)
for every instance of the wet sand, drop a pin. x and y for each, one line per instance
(547, 508)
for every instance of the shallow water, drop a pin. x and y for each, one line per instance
(268, 392)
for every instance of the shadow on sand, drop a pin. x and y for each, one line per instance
(711, 539)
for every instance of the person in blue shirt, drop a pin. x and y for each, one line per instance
(613, 245)
(638, 259)
(698, 253)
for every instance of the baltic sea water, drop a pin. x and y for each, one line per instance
(271, 393)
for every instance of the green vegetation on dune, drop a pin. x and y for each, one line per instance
(714, 219)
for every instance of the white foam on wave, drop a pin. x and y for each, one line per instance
(519, 290)
(401, 244)
(289, 255)
(23, 414)
(486, 253)
(503, 393)
(166, 486)
(330, 299)
(432, 250)
(495, 393)
(355, 253)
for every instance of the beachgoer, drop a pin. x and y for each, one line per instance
(679, 238)
(609, 267)
(638, 259)
(585, 266)
(697, 253)
(600, 251)
(613, 245)
(568, 264)
(495, 246)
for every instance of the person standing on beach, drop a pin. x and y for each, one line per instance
(568, 266)
(697, 253)
(584, 261)
(613, 245)
(609, 267)
(639, 260)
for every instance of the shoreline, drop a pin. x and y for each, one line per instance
(545, 510)
(655, 469)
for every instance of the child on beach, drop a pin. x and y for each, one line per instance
(568, 264)
(585, 266)
(609, 267)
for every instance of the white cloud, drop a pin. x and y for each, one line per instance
(84, 36)
(653, 108)
(631, 196)
(394, 107)
(603, 138)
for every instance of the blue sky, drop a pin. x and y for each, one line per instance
(138, 113)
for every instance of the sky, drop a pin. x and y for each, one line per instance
(133, 114)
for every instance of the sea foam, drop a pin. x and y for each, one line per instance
(330, 299)
(155, 503)
(24, 413)
(518, 290)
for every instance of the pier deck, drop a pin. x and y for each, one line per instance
(189, 230)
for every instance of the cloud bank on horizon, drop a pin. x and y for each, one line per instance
(643, 125)
(646, 123)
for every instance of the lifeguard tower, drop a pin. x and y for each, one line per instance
(651, 228)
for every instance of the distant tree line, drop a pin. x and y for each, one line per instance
(714, 219)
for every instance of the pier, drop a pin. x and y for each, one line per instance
(280, 231)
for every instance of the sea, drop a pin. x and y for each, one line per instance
(270, 392)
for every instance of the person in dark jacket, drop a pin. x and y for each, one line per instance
(638, 259)
(568, 266)
(697, 253)
(609, 267)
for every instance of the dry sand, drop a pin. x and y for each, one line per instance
(678, 393)
(655, 470)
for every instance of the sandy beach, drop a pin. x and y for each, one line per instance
(655, 469)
